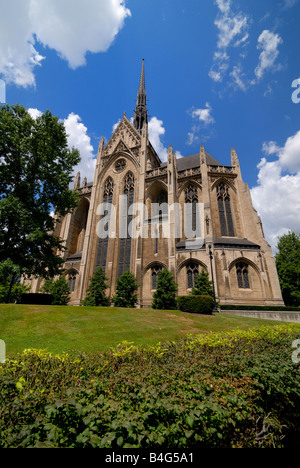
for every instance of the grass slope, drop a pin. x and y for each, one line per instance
(89, 329)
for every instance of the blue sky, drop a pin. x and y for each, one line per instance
(218, 73)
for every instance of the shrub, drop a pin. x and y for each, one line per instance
(196, 304)
(60, 291)
(96, 291)
(203, 286)
(36, 299)
(126, 295)
(239, 389)
(165, 295)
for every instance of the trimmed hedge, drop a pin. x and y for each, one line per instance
(196, 304)
(36, 299)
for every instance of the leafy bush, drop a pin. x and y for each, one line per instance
(60, 291)
(228, 390)
(16, 293)
(36, 299)
(196, 304)
(96, 291)
(165, 295)
(11, 288)
(126, 295)
(203, 286)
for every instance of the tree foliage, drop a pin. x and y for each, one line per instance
(35, 172)
(165, 294)
(59, 289)
(126, 292)
(11, 288)
(288, 267)
(96, 291)
(203, 286)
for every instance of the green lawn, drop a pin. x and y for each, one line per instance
(91, 329)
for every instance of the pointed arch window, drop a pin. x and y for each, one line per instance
(155, 270)
(192, 272)
(72, 277)
(242, 276)
(103, 242)
(191, 196)
(125, 241)
(225, 214)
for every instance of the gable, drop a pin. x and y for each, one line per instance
(124, 137)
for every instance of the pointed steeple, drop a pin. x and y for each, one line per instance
(141, 113)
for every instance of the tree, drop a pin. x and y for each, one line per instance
(288, 266)
(165, 294)
(10, 287)
(60, 291)
(96, 291)
(35, 173)
(126, 293)
(203, 286)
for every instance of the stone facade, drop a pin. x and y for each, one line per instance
(243, 265)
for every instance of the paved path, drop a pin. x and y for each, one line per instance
(282, 316)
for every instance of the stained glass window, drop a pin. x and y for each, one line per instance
(155, 270)
(125, 243)
(242, 276)
(192, 271)
(226, 221)
(103, 242)
(191, 196)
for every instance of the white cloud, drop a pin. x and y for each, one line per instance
(233, 32)
(276, 196)
(71, 27)
(156, 132)
(35, 113)
(289, 3)
(203, 115)
(77, 135)
(78, 138)
(239, 77)
(268, 42)
(203, 118)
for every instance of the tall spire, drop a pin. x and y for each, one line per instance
(141, 113)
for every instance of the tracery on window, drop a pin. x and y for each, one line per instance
(72, 277)
(120, 165)
(101, 258)
(125, 240)
(155, 270)
(242, 276)
(225, 214)
(192, 271)
(191, 196)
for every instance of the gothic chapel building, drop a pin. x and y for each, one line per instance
(129, 169)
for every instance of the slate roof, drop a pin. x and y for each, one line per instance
(193, 161)
(225, 242)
